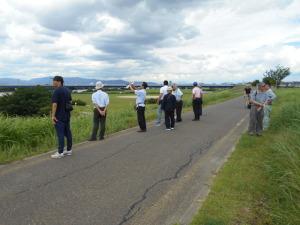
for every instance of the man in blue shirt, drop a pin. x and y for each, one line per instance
(140, 105)
(61, 114)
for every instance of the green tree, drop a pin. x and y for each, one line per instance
(255, 82)
(269, 80)
(26, 102)
(277, 75)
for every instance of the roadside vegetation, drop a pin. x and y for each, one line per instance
(21, 137)
(260, 183)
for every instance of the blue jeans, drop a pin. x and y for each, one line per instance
(63, 130)
(159, 113)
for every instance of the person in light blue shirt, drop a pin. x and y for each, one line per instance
(268, 106)
(100, 101)
(140, 105)
(179, 103)
(258, 100)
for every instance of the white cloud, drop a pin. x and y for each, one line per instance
(207, 41)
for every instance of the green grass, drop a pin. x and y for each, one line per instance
(22, 137)
(260, 183)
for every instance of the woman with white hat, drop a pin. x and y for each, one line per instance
(100, 100)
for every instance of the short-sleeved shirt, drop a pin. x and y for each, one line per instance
(61, 96)
(197, 92)
(260, 97)
(163, 90)
(140, 97)
(100, 98)
(178, 94)
(271, 95)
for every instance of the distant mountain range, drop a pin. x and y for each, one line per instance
(69, 81)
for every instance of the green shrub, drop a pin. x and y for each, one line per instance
(78, 102)
(26, 102)
(151, 101)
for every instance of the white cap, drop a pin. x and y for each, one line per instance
(169, 89)
(99, 85)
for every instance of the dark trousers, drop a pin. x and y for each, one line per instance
(141, 117)
(169, 119)
(197, 108)
(179, 105)
(98, 119)
(256, 120)
(63, 130)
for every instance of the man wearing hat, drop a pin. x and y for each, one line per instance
(61, 115)
(258, 99)
(140, 105)
(100, 100)
(197, 95)
(168, 105)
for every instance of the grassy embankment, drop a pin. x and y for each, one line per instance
(260, 184)
(23, 137)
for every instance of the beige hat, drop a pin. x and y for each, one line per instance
(99, 85)
(169, 89)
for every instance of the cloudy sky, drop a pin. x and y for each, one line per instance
(178, 40)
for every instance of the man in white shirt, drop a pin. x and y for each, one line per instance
(162, 92)
(100, 100)
(197, 101)
(140, 105)
(179, 103)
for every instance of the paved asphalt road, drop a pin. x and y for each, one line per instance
(154, 178)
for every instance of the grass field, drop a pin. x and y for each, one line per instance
(23, 137)
(260, 184)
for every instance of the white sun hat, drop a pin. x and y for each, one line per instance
(99, 85)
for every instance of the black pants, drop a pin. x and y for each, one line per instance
(179, 105)
(63, 130)
(197, 108)
(141, 117)
(169, 119)
(96, 120)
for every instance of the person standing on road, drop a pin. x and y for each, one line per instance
(197, 95)
(258, 100)
(179, 103)
(140, 105)
(268, 106)
(247, 92)
(168, 105)
(100, 100)
(162, 93)
(61, 115)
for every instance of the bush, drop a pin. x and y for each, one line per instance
(26, 102)
(78, 102)
(151, 101)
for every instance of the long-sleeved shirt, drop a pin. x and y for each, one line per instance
(169, 102)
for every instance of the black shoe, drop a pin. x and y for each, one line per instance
(101, 138)
(92, 139)
(178, 121)
(195, 119)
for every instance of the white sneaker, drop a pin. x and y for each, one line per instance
(172, 128)
(57, 155)
(168, 129)
(67, 152)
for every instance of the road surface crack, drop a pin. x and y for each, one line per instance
(135, 208)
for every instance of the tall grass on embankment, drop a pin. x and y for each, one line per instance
(22, 137)
(260, 183)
